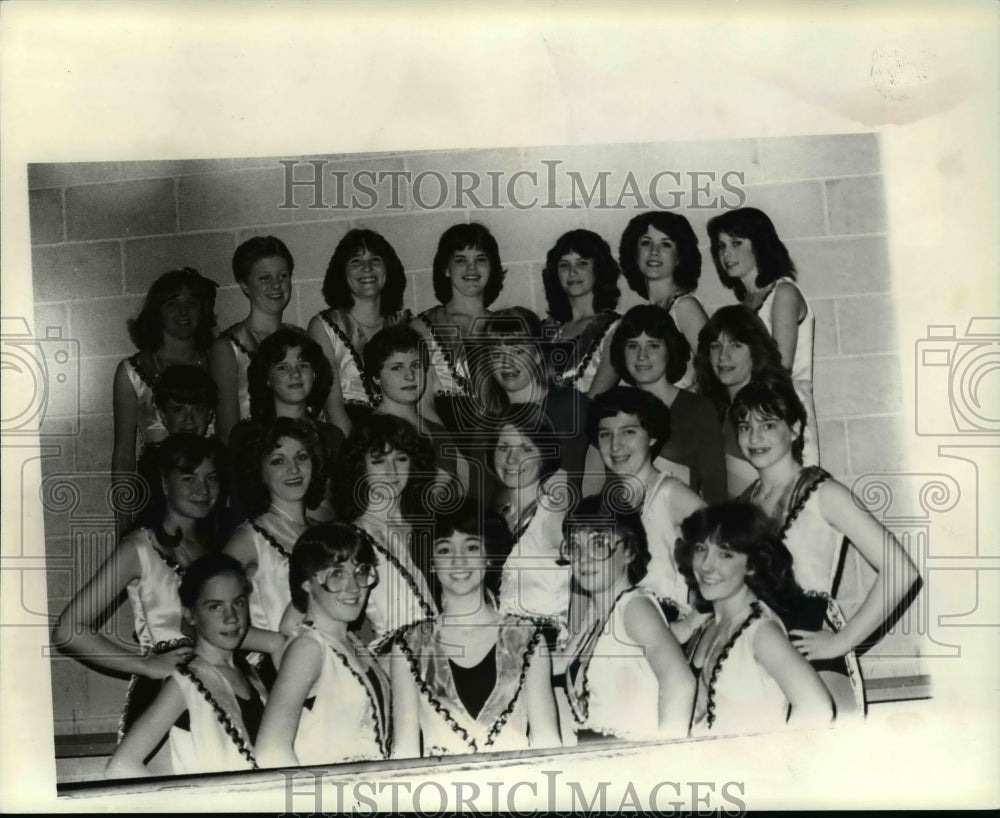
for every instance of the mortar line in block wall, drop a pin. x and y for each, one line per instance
(177, 205)
(826, 208)
(65, 228)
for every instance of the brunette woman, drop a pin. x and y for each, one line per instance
(469, 680)
(581, 288)
(753, 262)
(661, 261)
(363, 289)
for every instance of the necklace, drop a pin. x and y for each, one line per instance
(361, 323)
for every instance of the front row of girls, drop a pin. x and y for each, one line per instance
(585, 635)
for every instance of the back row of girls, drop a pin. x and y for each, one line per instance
(373, 415)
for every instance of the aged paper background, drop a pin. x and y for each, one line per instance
(103, 81)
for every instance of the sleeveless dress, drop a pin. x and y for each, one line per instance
(348, 350)
(533, 585)
(157, 618)
(401, 596)
(217, 739)
(273, 535)
(574, 361)
(346, 712)
(688, 378)
(802, 367)
(446, 725)
(819, 556)
(149, 427)
(662, 531)
(242, 355)
(610, 686)
(735, 695)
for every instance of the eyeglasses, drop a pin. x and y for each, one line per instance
(365, 576)
(597, 545)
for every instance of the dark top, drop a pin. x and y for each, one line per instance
(696, 441)
(251, 711)
(474, 684)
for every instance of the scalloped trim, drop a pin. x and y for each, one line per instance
(425, 606)
(184, 668)
(756, 612)
(267, 535)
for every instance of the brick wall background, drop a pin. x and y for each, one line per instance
(103, 231)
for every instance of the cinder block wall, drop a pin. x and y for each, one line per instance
(102, 232)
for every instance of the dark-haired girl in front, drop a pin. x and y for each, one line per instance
(625, 672)
(179, 525)
(211, 705)
(750, 677)
(330, 703)
(650, 353)
(262, 267)
(467, 277)
(818, 518)
(470, 680)
(581, 289)
(661, 262)
(363, 289)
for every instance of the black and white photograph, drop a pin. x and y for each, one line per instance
(500, 411)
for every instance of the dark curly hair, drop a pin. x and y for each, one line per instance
(772, 395)
(603, 512)
(272, 350)
(374, 435)
(771, 255)
(205, 568)
(146, 329)
(471, 518)
(322, 546)
(589, 245)
(338, 295)
(459, 237)
(183, 452)
(255, 249)
(738, 323)
(688, 269)
(656, 323)
(649, 410)
(745, 529)
(260, 440)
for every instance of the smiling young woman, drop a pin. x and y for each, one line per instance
(262, 267)
(363, 289)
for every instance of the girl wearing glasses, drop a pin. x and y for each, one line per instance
(625, 672)
(470, 681)
(751, 678)
(329, 704)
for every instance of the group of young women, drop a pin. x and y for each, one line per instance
(471, 529)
